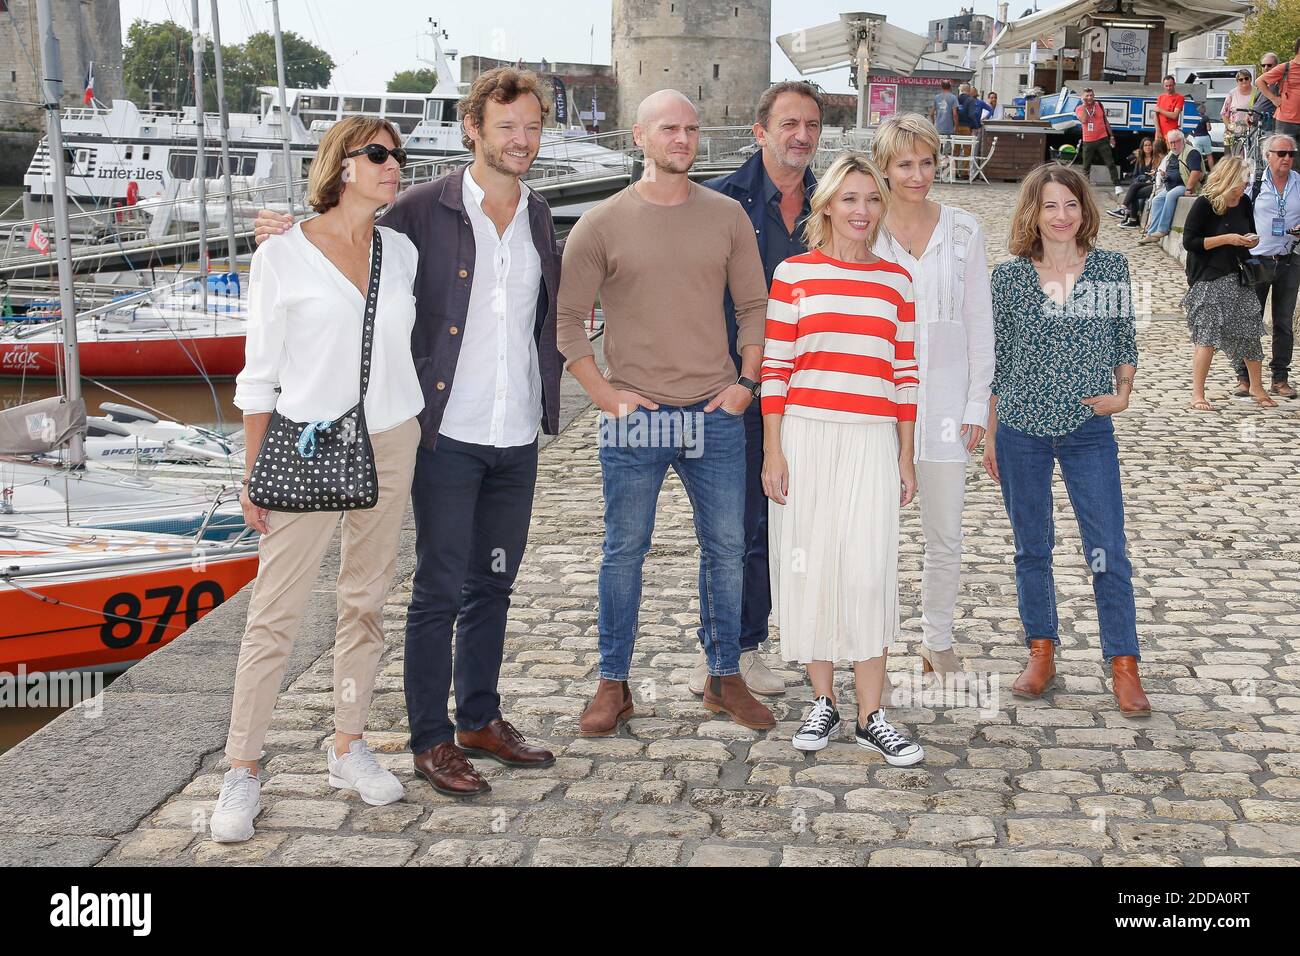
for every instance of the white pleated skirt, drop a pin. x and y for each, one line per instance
(833, 546)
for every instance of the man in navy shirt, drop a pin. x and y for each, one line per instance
(774, 187)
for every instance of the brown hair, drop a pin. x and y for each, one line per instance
(325, 178)
(503, 85)
(802, 87)
(1025, 239)
(817, 230)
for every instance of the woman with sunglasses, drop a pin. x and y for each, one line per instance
(308, 299)
(1236, 114)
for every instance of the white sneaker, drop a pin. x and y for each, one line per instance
(359, 770)
(237, 806)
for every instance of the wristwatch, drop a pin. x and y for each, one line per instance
(750, 384)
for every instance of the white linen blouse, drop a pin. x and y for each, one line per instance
(954, 331)
(304, 335)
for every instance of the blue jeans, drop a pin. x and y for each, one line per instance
(1089, 461)
(707, 450)
(1163, 208)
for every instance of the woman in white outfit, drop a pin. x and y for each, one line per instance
(942, 247)
(309, 294)
(838, 402)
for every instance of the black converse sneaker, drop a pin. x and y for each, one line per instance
(820, 725)
(879, 735)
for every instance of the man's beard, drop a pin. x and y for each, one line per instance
(493, 159)
(673, 164)
(784, 157)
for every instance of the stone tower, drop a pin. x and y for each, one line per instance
(717, 52)
(89, 31)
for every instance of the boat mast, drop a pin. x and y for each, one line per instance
(232, 247)
(201, 159)
(284, 106)
(52, 91)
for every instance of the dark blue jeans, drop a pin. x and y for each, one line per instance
(472, 505)
(1089, 461)
(707, 450)
(756, 596)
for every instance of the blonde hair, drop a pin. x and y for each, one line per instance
(817, 231)
(325, 178)
(1228, 173)
(1025, 239)
(902, 133)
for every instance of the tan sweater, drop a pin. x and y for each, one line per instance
(661, 272)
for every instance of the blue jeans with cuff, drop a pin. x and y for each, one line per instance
(707, 450)
(1089, 459)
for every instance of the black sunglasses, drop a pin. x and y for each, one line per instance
(1283, 152)
(378, 154)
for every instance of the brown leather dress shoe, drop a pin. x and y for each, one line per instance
(448, 772)
(1128, 688)
(611, 705)
(1040, 673)
(730, 696)
(501, 742)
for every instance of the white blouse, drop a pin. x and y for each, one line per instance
(304, 335)
(954, 331)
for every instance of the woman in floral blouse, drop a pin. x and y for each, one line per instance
(1066, 352)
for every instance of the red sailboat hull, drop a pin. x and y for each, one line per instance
(216, 356)
(113, 619)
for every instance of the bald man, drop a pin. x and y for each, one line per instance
(661, 254)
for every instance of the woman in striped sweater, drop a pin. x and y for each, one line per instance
(839, 385)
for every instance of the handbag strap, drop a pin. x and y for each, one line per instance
(368, 324)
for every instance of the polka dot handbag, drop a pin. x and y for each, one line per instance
(324, 465)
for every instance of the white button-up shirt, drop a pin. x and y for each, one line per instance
(302, 353)
(496, 397)
(954, 331)
(1267, 204)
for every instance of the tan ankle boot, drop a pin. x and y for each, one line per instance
(730, 696)
(1128, 688)
(611, 705)
(1040, 673)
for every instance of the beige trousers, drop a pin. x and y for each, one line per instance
(290, 554)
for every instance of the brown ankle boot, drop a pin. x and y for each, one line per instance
(730, 696)
(1040, 673)
(1127, 688)
(611, 705)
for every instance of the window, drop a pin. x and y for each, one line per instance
(355, 104)
(144, 152)
(1217, 46)
(737, 11)
(127, 154)
(715, 71)
(701, 92)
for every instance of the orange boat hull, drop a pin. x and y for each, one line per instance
(112, 620)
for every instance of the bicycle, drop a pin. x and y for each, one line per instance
(1247, 142)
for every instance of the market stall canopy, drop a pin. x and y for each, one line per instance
(1188, 17)
(834, 45)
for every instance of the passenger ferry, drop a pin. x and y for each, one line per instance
(120, 154)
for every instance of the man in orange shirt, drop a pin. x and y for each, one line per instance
(1098, 139)
(1169, 109)
(1286, 76)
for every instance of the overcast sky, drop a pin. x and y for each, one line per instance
(370, 40)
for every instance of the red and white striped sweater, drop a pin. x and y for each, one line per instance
(840, 341)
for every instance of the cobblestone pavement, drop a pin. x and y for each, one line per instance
(1212, 777)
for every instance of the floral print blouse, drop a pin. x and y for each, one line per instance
(1050, 356)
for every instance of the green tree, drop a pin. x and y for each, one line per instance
(1273, 26)
(413, 81)
(159, 56)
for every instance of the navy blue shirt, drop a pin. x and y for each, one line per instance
(779, 243)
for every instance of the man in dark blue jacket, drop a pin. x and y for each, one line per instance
(774, 186)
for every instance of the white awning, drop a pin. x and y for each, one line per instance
(834, 45)
(1189, 17)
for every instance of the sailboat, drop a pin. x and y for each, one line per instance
(97, 569)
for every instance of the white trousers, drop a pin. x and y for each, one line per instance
(941, 488)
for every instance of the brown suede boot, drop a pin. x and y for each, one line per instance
(1040, 673)
(1127, 688)
(611, 705)
(730, 696)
